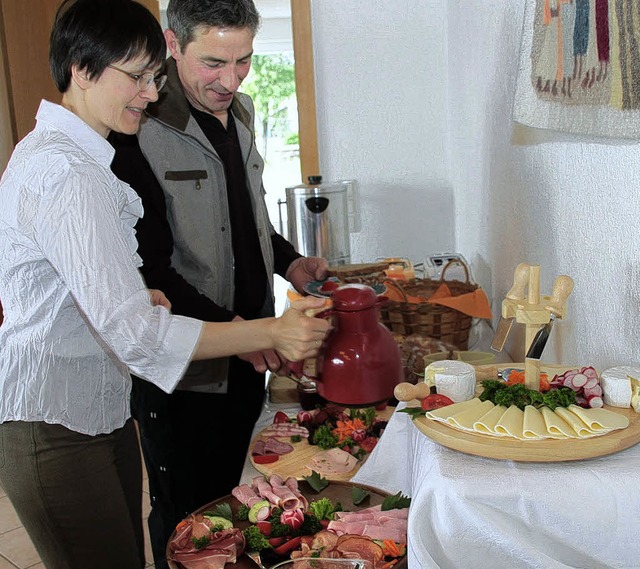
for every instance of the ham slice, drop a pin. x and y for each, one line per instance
(287, 498)
(373, 523)
(285, 430)
(333, 461)
(246, 495)
(224, 546)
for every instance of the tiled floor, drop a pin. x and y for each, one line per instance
(16, 549)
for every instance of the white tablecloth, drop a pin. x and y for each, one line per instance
(473, 512)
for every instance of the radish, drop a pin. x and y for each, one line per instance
(581, 401)
(591, 391)
(591, 382)
(557, 380)
(595, 401)
(263, 513)
(589, 372)
(577, 381)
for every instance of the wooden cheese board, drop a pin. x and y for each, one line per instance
(335, 491)
(545, 450)
(294, 463)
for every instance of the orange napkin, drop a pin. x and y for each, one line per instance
(473, 303)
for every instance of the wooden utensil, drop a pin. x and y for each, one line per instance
(517, 292)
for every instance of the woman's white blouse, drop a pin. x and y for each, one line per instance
(77, 312)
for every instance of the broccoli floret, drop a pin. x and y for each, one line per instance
(255, 541)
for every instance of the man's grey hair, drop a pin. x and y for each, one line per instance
(186, 17)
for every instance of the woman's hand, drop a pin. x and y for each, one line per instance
(297, 336)
(158, 298)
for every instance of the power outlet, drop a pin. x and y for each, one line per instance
(435, 264)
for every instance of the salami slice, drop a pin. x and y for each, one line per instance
(273, 445)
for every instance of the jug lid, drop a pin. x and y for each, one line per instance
(353, 297)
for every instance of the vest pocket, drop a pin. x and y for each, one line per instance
(186, 175)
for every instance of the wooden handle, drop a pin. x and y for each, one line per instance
(520, 281)
(562, 288)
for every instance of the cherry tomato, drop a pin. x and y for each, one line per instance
(434, 401)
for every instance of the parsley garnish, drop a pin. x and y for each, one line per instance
(200, 542)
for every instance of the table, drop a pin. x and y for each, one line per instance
(470, 512)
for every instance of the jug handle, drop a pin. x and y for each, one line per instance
(296, 368)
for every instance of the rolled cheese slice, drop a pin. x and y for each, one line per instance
(487, 423)
(576, 423)
(465, 419)
(511, 423)
(533, 425)
(599, 419)
(453, 378)
(442, 413)
(557, 427)
(616, 385)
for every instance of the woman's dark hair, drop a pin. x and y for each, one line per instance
(185, 17)
(94, 34)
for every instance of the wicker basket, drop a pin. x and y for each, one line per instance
(433, 320)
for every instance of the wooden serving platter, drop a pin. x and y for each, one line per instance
(546, 450)
(336, 491)
(294, 463)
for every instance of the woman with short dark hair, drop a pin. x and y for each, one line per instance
(78, 317)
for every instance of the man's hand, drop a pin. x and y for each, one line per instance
(267, 360)
(158, 298)
(306, 269)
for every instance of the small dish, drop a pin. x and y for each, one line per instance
(314, 288)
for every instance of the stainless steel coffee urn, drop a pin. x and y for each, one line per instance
(318, 219)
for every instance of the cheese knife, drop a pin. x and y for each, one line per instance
(517, 292)
(562, 288)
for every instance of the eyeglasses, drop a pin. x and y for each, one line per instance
(144, 80)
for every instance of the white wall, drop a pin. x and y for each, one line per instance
(381, 123)
(418, 97)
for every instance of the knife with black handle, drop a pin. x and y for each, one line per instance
(562, 288)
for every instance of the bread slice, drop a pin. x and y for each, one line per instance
(365, 273)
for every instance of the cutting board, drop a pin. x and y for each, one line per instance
(293, 463)
(335, 491)
(546, 450)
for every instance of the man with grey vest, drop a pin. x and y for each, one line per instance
(207, 243)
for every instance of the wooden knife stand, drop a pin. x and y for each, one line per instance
(533, 312)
